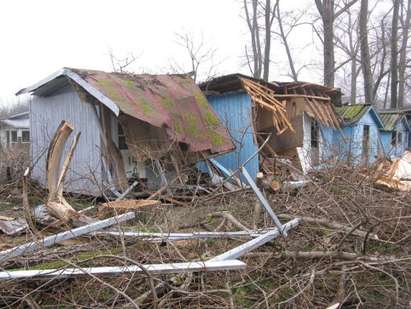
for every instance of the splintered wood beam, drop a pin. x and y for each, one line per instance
(58, 238)
(255, 243)
(55, 154)
(119, 270)
(56, 204)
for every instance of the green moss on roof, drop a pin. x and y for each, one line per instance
(216, 139)
(352, 113)
(390, 120)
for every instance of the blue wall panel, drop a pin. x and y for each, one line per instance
(235, 112)
(350, 141)
(395, 151)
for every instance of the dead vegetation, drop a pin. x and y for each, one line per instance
(352, 248)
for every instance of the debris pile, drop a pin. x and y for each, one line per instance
(203, 243)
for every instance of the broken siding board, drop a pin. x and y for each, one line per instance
(255, 243)
(58, 238)
(119, 270)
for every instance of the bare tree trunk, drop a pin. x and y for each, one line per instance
(267, 46)
(365, 53)
(394, 54)
(326, 10)
(353, 96)
(403, 56)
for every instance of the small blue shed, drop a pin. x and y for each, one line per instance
(359, 138)
(394, 135)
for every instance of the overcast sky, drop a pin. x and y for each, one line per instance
(39, 37)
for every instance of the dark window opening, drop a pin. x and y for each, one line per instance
(315, 133)
(366, 142)
(8, 137)
(394, 138)
(13, 136)
(399, 138)
(122, 144)
(25, 136)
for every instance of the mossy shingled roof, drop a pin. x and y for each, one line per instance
(352, 113)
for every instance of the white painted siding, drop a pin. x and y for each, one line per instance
(46, 115)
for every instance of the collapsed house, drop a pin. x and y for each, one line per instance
(359, 139)
(142, 126)
(238, 100)
(395, 134)
(298, 119)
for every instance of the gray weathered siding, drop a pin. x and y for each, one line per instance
(46, 115)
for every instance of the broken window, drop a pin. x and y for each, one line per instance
(8, 137)
(122, 145)
(394, 138)
(25, 137)
(315, 133)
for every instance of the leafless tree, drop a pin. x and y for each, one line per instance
(202, 58)
(328, 13)
(259, 17)
(394, 54)
(120, 65)
(287, 23)
(365, 53)
(405, 24)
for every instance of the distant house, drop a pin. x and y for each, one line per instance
(395, 134)
(300, 125)
(15, 131)
(359, 139)
(132, 126)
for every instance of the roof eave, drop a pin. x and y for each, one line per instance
(80, 81)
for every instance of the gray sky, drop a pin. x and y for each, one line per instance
(41, 36)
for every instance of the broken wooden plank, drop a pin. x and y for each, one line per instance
(126, 205)
(255, 243)
(205, 266)
(57, 238)
(263, 200)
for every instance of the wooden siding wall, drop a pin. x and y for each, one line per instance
(46, 115)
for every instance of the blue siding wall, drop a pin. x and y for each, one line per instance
(350, 141)
(327, 143)
(398, 150)
(235, 112)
